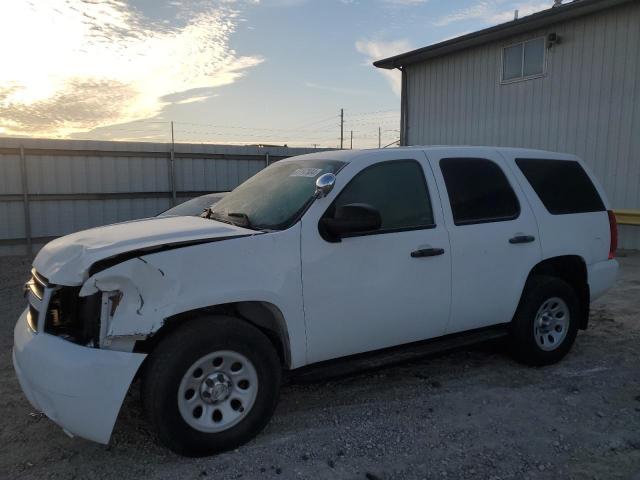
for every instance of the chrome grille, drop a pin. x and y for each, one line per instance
(38, 292)
(37, 284)
(40, 282)
(32, 318)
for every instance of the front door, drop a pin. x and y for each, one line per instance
(381, 288)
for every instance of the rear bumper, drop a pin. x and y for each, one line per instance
(602, 276)
(81, 389)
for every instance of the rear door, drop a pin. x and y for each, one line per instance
(570, 204)
(493, 235)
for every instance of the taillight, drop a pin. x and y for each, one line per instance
(613, 227)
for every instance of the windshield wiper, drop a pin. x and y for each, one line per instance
(211, 215)
(238, 219)
(243, 217)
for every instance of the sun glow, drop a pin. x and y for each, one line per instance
(74, 65)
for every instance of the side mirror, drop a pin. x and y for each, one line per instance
(324, 185)
(352, 218)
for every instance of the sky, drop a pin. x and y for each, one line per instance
(223, 71)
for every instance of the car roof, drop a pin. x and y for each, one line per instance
(510, 152)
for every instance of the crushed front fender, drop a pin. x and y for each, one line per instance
(148, 295)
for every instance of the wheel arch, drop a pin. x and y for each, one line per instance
(573, 270)
(265, 316)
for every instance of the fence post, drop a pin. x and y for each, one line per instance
(25, 201)
(172, 178)
(266, 159)
(172, 170)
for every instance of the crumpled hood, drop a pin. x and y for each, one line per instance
(66, 260)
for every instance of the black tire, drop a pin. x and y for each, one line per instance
(523, 344)
(172, 358)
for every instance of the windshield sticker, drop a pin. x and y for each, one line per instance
(306, 172)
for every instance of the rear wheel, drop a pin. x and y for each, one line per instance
(211, 386)
(546, 322)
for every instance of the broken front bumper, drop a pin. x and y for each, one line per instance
(81, 389)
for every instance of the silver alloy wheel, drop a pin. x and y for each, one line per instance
(551, 323)
(217, 391)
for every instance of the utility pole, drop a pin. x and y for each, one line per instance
(341, 128)
(172, 171)
(351, 139)
(379, 137)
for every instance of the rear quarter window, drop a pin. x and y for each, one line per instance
(478, 190)
(562, 185)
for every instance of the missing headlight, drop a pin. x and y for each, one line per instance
(74, 318)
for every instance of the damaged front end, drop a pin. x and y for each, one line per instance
(59, 310)
(62, 361)
(135, 296)
(92, 297)
(112, 310)
(74, 318)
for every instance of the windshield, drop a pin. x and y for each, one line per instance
(274, 198)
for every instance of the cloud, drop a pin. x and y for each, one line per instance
(79, 101)
(405, 2)
(492, 12)
(280, 3)
(194, 99)
(524, 9)
(375, 50)
(83, 65)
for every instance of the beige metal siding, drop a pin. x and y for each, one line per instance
(587, 103)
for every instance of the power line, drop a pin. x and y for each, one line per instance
(332, 117)
(252, 135)
(317, 131)
(239, 127)
(377, 112)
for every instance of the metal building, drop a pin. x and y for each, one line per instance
(565, 79)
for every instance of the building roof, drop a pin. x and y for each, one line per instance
(555, 14)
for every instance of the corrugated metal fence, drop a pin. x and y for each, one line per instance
(49, 188)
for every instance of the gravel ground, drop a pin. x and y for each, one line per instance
(473, 413)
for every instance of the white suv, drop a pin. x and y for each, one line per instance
(315, 258)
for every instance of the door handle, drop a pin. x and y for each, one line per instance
(427, 252)
(522, 239)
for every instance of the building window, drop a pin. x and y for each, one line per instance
(523, 60)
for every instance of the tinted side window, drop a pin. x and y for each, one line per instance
(397, 189)
(478, 191)
(562, 185)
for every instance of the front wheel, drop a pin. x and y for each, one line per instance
(211, 385)
(546, 322)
